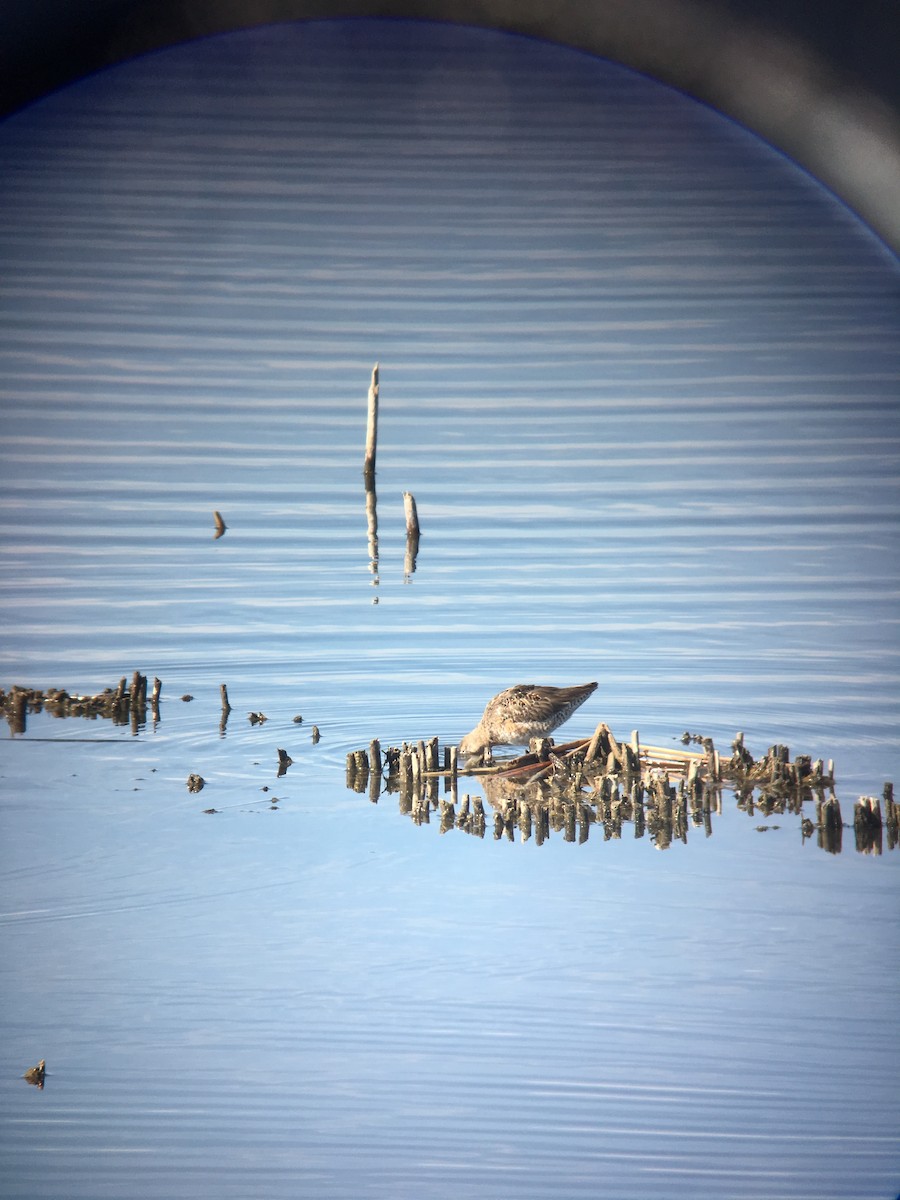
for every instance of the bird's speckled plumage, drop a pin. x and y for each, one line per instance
(522, 712)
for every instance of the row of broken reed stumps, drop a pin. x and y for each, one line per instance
(123, 705)
(601, 781)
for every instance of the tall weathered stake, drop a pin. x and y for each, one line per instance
(371, 430)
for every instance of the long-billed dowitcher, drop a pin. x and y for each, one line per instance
(522, 712)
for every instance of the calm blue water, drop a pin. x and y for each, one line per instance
(641, 374)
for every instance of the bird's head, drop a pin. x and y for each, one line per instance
(473, 743)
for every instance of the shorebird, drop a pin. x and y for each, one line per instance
(522, 712)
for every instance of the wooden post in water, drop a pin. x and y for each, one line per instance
(600, 735)
(226, 708)
(831, 827)
(137, 700)
(371, 431)
(891, 816)
(868, 825)
(19, 718)
(369, 478)
(154, 697)
(431, 754)
(375, 756)
(412, 535)
(411, 514)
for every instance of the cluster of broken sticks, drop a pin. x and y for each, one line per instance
(123, 705)
(601, 781)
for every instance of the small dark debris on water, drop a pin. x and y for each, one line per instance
(210, 811)
(187, 697)
(256, 718)
(766, 828)
(35, 1075)
(697, 739)
(195, 783)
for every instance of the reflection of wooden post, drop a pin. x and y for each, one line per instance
(371, 430)
(409, 559)
(372, 524)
